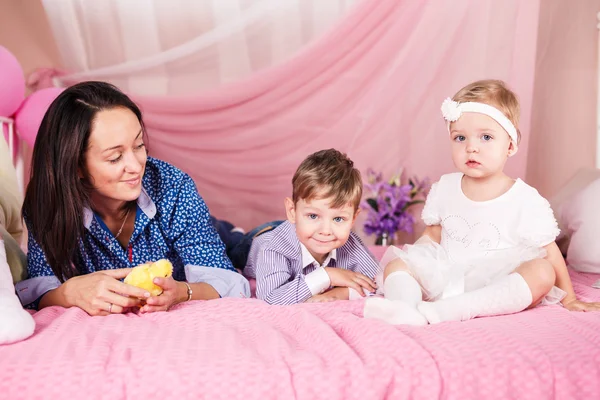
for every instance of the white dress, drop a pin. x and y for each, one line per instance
(481, 241)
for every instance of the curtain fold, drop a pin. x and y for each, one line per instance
(370, 84)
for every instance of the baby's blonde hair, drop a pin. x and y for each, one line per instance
(495, 93)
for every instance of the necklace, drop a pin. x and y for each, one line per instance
(123, 224)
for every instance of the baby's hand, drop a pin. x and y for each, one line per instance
(577, 305)
(350, 279)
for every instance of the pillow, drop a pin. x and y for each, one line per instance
(560, 200)
(15, 323)
(10, 214)
(17, 260)
(581, 221)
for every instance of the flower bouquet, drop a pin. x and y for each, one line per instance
(388, 204)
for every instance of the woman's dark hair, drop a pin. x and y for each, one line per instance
(57, 194)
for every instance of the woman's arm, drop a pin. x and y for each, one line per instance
(55, 297)
(98, 293)
(175, 292)
(200, 291)
(94, 293)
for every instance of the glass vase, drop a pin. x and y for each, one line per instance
(384, 240)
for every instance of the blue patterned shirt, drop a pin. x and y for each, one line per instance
(172, 221)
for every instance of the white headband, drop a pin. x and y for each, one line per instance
(452, 110)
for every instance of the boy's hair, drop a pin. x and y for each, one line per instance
(328, 174)
(494, 93)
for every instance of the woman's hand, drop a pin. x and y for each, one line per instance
(578, 305)
(174, 292)
(101, 293)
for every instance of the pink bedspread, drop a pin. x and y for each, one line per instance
(245, 349)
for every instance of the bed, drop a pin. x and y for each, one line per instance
(246, 349)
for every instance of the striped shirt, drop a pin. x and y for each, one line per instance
(284, 276)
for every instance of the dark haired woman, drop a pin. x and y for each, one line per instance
(97, 205)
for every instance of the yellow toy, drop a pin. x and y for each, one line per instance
(143, 275)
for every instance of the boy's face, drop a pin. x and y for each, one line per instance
(319, 227)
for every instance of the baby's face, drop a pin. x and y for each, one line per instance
(321, 228)
(480, 146)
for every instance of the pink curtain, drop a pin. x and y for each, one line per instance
(563, 121)
(372, 87)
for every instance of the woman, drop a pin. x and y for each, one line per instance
(97, 205)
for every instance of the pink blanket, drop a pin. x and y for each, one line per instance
(245, 349)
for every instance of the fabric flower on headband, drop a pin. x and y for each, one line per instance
(451, 110)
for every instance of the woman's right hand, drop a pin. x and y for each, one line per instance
(101, 293)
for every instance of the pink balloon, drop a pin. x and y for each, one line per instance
(29, 117)
(12, 83)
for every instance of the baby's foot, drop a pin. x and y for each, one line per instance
(440, 311)
(393, 312)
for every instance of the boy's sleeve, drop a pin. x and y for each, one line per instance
(194, 236)
(276, 284)
(362, 260)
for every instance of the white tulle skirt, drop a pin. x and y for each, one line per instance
(440, 277)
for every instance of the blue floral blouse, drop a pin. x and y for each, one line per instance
(172, 221)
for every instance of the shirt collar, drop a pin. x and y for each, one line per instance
(308, 259)
(144, 202)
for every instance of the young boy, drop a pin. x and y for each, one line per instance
(314, 256)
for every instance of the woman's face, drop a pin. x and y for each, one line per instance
(116, 156)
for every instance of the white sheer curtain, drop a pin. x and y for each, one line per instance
(177, 47)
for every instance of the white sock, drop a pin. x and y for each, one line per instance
(401, 286)
(402, 294)
(507, 295)
(15, 323)
(393, 312)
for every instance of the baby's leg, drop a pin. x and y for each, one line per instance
(510, 294)
(402, 294)
(540, 277)
(399, 284)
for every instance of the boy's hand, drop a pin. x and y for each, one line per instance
(350, 279)
(338, 293)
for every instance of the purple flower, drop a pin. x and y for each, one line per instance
(387, 203)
